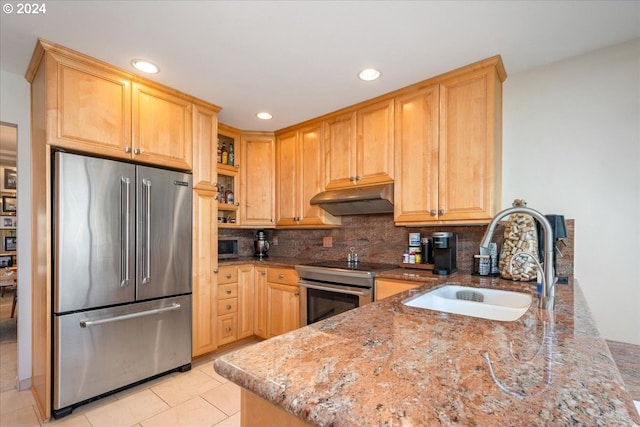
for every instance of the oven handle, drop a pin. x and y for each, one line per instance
(336, 288)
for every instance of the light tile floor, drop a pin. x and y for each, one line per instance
(197, 398)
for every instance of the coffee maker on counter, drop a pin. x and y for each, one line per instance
(445, 252)
(260, 245)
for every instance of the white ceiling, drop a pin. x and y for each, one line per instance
(299, 59)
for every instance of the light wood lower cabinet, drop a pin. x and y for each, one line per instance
(235, 303)
(387, 287)
(277, 301)
(260, 302)
(204, 298)
(246, 308)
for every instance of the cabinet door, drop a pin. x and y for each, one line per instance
(416, 141)
(470, 147)
(161, 128)
(91, 105)
(257, 206)
(386, 287)
(246, 290)
(312, 161)
(375, 144)
(288, 177)
(260, 301)
(205, 129)
(205, 250)
(283, 308)
(227, 328)
(340, 151)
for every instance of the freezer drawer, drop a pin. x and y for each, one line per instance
(101, 350)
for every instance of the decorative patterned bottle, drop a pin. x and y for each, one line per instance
(231, 155)
(520, 235)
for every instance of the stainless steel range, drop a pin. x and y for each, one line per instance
(332, 287)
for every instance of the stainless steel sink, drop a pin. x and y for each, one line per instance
(492, 304)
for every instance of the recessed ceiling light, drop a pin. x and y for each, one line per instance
(369, 74)
(145, 66)
(264, 116)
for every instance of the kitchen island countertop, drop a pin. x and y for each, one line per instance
(389, 364)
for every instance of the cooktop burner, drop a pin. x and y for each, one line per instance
(358, 266)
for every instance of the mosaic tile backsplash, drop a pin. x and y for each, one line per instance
(376, 239)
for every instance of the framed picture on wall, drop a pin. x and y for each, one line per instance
(9, 203)
(10, 243)
(8, 222)
(8, 179)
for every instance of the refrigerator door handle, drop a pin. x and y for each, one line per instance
(125, 241)
(89, 323)
(146, 245)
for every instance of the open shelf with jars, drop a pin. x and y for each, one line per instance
(227, 182)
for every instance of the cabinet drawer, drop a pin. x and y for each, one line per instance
(227, 328)
(227, 275)
(227, 306)
(229, 290)
(287, 276)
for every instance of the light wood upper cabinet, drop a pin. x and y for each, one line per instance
(359, 146)
(299, 177)
(257, 184)
(96, 108)
(205, 128)
(340, 150)
(470, 152)
(375, 143)
(161, 127)
(417, 124)
(448, 139)
(88, 106)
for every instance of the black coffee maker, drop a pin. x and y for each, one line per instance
(445, 252)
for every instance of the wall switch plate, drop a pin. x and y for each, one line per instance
(274, 241)
(327, 242)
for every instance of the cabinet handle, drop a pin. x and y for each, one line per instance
(215, 184)
(228, 329)
(281, 276)
(433, 212)
(441, 212)
(263, 272)
(216, 271)
(297, 294)
(228, 275)
(228, 291)
(228, 307)
(127, 149)
(352, 178)
(136, 151)
(358, 178)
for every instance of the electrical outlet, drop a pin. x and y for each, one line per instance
(327, 242)
(274, 241)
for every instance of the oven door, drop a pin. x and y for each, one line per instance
(319, 301)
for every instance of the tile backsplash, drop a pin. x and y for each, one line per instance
(376, 239)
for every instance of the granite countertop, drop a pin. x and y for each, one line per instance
(389, 364)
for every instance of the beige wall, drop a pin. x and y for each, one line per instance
(572, 146)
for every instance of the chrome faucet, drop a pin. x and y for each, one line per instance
(547, 294)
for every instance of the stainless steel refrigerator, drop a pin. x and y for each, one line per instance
(122, 276)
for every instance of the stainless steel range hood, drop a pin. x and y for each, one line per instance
(375, 199)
